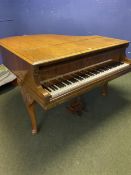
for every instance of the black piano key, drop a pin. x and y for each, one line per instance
(101, 69)
(81, 77)
(93, 72)
(47, 88)
(63, 84)
(56, 87)
(90, 73)
(75, 79)
(67, 82)
(85, 74)
(98, 71)
(81, 74)
(72, 80)
(60, 85)
(78, 76)
(52, 87)
(106, 68)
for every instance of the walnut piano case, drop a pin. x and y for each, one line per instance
(52, 69)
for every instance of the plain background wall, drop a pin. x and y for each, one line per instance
(8, 15)
(72, 17)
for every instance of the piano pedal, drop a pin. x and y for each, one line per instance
(77, 107)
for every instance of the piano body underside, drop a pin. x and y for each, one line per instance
(31, 78)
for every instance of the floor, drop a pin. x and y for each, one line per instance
(96, 143)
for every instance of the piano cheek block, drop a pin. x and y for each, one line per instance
(56, 68)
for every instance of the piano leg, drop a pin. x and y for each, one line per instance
(30, 105)
(104, 90)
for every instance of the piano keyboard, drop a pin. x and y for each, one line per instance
(75, 80)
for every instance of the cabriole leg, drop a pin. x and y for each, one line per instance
(31, 112)
(30, 105)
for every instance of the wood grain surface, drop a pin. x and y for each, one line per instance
(40, 49)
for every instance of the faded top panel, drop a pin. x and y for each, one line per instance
(40, 49)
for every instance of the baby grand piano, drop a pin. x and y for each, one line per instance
(52, 69)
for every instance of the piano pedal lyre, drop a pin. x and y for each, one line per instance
(104, 90)
(76, 106)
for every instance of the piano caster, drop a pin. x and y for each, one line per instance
(104, 90)
(34, 132)
(30, 105)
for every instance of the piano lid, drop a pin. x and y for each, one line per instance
(40, 49)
